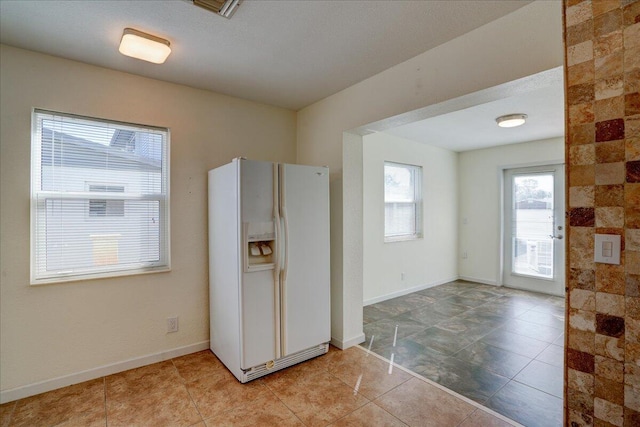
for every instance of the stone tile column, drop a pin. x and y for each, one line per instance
(602, 42)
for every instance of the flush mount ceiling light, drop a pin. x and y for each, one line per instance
(144, 46)
(224, 8)
(511, 120)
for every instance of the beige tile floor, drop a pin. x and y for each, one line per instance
(341, 388)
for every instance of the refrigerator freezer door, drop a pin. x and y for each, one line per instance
(305, 280)
(258, 312)
(256, 187)
(258, 319)
(224, 266)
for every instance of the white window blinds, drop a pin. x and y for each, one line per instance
(402, 201)
(100, 199)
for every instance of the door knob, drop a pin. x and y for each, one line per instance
(559, 237)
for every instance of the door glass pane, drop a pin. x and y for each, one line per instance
(532, 219)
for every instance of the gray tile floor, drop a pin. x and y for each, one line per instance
(503, 348)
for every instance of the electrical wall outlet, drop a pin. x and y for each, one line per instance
(172, 324)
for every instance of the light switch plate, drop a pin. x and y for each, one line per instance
(607, 248)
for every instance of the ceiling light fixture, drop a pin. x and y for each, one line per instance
(224, 8)
(144, 46)
(511, 120)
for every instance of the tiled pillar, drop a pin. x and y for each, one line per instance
(602, 42)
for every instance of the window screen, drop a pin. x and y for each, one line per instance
(402, 201)
(100, 204)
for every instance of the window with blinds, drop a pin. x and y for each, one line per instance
(99, 198)
(402, 202)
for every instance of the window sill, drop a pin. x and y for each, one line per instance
(93, 276)
(402, 238)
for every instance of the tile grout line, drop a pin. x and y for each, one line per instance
(373, 402)
(516, 423)
(272, 391)
(284, 404)
(500, 388)
(367, 352)
(368, 401)
(104, 390)
(184, 384)
(378, 406)
(526, 385)
(467, 417)
(491, 371)
(13, 410)
(451, 392)
(387, 392)
(536, 388)
(534, 306)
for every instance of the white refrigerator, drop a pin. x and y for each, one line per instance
(269, 282)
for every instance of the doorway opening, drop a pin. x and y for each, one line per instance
(461, 333)
(533, 229)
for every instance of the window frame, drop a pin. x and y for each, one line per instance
(38, 198)
(417, 202)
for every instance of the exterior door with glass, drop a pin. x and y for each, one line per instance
(534, 229)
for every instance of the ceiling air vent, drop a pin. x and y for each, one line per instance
(224, 8)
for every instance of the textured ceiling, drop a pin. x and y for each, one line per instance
(283, 53)
(475, 127)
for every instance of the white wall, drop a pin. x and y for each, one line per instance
(427, 261)
(351, 232)
(58, 330)
(480, 201)
(521, 44)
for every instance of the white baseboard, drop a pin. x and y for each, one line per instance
(483, 281)
(407, 291)
(101, 371)
(345, 344)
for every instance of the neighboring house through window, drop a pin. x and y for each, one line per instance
(100, 199)
(105, 207)
(402, 202)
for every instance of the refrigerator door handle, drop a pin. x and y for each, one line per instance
(285, 261)
(285, 223)
(285, 266)
(276, 289)
(282, 288)
(276, 254)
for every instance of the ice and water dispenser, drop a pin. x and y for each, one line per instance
(259, 246)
